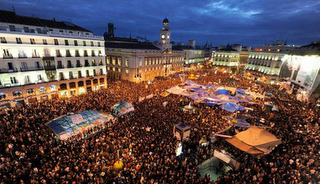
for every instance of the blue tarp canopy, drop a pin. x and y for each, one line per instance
(241, 121)
(74, 123)
(191, 83)
(222, 92)
(231, 107)
(122, 108)
(210, 102)
(239, 99)
(241, 91)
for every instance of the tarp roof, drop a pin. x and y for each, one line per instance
(122, 108)
(66, 126)
(241, 121)
(231, 107)
(255, 141)
(222, 92)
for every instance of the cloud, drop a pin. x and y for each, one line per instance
(249, 22)
(225, 8)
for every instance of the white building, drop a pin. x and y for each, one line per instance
(302, 68)
(45, 58)
(193, 57)
(266, 61)
(227, 57)
(129, 59)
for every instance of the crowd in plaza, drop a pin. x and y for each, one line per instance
(31, 153)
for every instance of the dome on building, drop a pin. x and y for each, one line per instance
(165, 21)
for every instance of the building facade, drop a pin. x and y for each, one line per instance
(47, 58)
(227, 57)
(302, 69)
(266, 61)
(129, 59)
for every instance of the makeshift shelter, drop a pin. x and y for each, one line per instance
(122, 108)
(175, 90)
(231, 107)
(222, 91)
(241, 91)
(181, 131)
(67, 126)
(255, 141)
(209, 102)
(231, 89)
(239, 121)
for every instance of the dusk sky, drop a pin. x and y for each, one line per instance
(247, 22)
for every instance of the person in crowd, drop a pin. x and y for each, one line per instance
(31, 153)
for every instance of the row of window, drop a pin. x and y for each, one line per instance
(56, 42)
(226, 56)
(62, 77)
(266, 63)
(147, 61)
(268, 57)
(27, 80)
(225, 60)
(37, 66)
(46, 53)
(39, 30)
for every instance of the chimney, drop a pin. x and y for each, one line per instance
(54, 19)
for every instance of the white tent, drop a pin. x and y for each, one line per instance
(255, 141)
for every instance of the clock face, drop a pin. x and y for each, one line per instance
(168, 36)
(163, 36)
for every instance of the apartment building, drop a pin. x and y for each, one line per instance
(47, 58)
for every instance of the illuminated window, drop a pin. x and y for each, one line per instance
(127, 62)
(119, 69)
(127, 71)
(278, 50)
(119, 61)
(108, 60)
(113, 60)
(32, 41)
(140, 62)
(145, 61)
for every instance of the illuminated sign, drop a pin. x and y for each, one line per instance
(53, 87)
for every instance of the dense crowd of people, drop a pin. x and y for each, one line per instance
(31, 153)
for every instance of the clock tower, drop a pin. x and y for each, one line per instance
(165, 36)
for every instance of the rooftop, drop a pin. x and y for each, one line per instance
(12, 17)
(130, 45)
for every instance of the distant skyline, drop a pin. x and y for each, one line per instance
(247, 22)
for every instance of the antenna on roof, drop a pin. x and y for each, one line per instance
(13, 9)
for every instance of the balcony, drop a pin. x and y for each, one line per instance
(68, 55)
(49, 67)
(7, 56)
(70, 66)
(58, 55)
(31, 69)
(35, 56)
(87, 65)
(94, 64)
(77, 55)
(85, 55)
(60, 66)
(48, 57)
(79, 65)
(7, 70)
(101, 64)
(21, 56)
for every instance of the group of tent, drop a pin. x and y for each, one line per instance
(226, 97)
